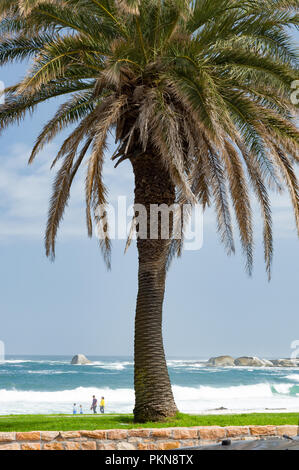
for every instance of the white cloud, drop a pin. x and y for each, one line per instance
(284, 225)
(25, 192)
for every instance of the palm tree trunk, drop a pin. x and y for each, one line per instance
(153, 394)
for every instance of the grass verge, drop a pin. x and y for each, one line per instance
(124, 421)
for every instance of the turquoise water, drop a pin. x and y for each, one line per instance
(50, 384)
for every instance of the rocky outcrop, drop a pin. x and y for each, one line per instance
(223, 361)
(252, 361)
(283, 363)
(267, 363)
(80, 359)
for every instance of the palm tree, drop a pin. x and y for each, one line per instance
(198, 95)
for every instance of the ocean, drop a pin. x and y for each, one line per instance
(50, 384)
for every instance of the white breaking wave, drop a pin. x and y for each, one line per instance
(185, 363)
(24, 361)
(201, 399)
(50, 372)
(283, 388)
(293, 377)
(35, 402)
(17, 361)
(245, 391)
(111, 365)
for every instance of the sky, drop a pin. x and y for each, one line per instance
(75, 305)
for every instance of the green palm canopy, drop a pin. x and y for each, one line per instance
(198, 96)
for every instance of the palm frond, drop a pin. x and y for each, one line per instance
(204, 86)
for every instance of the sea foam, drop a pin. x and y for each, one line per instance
(189, 399)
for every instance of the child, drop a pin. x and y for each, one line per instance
(81, 410)
(74, 409)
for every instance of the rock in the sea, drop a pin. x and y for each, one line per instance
(221, 361)
(80, 359)
(267, 363)
(249, 361)
(284, 363)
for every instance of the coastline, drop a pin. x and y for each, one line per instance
(47, 385)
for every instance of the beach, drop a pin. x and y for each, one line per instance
(50, 384)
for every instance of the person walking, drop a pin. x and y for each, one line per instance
(102, 405)
(81, 410)
(74, 409)
(94, 404)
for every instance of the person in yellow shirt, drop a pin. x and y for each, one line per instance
(102, 405)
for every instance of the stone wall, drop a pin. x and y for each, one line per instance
(137, 439)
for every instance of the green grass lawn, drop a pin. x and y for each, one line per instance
(123, 421)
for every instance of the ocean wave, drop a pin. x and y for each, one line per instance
(202, 392)
(202, 399)
(40, 402)
(50, 372)
(63, 396)
(111, 365)
(294, 377)
(25, 361)
(15, 361)
(185, 363)
(286, 389)
(242, 398)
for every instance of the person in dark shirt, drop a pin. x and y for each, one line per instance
(94, 404)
